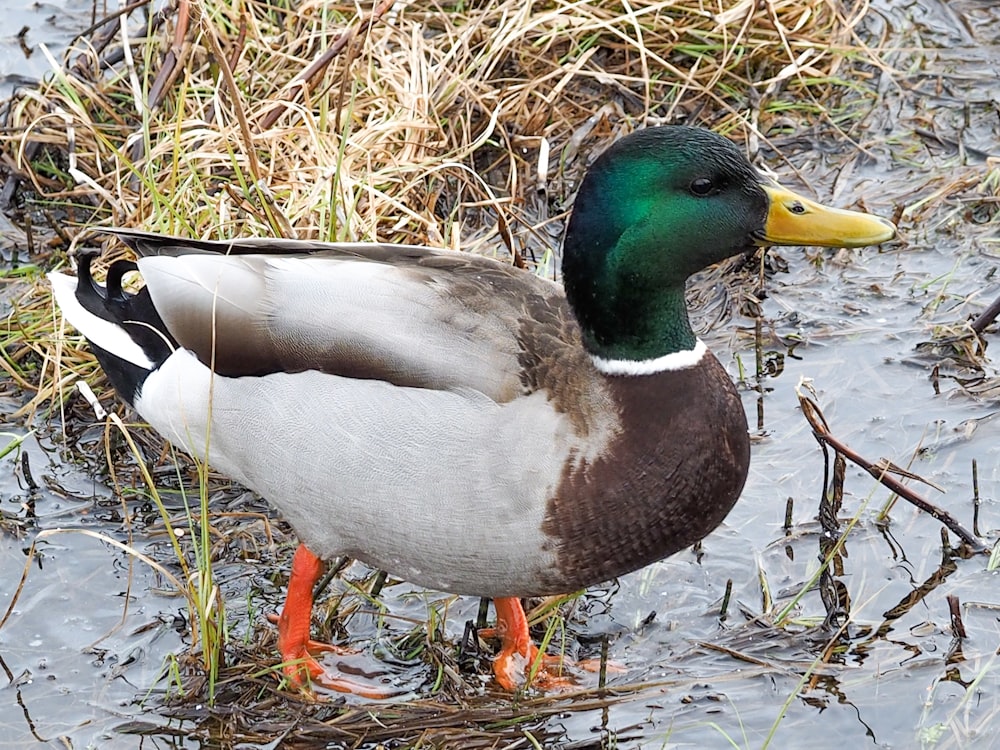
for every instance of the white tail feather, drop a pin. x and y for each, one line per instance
(103, 333)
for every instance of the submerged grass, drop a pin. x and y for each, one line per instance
(452, 124)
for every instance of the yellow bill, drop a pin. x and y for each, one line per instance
(795, 220)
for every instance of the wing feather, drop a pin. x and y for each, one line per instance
(409, 316)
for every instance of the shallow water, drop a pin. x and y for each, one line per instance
(79, 671)
(27, 25)
(89, 633)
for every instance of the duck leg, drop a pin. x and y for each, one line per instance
(294, 623)
(512, 667)
(518, 655)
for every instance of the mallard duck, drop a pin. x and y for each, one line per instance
(453, 420)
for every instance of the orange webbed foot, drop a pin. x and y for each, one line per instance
(298, 651)
(519, 663)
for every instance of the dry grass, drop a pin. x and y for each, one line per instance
(425, 115)
(431, 124)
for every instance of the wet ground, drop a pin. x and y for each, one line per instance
(27, 26)
(92, 630)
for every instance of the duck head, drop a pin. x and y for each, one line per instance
(663, 203)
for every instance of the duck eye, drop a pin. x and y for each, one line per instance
(702, 186)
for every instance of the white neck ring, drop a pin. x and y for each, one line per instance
(681, 360)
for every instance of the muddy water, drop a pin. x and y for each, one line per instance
(849, 322)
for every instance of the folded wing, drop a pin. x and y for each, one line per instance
(409, 316)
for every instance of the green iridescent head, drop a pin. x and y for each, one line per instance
(665, 202)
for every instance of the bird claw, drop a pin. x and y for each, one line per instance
(306, 673)
(516, 671)
(303, 671)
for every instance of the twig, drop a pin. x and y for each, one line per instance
(297, 84)
(821, 431)
(975, 497)
(226, 72)
(955, 609)
(85, 34)
(986, 317)
(173, 60)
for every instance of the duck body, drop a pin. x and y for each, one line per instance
(446, 417)
(491, 475)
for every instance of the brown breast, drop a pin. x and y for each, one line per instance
(666, 480)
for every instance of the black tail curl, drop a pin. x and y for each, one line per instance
(134, 314)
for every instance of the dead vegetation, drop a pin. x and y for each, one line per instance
(401, 123)
(431, 124)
